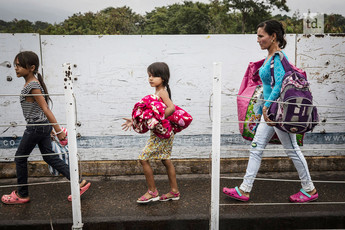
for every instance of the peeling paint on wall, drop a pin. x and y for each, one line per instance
(110, 77)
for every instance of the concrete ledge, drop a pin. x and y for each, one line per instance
(183, 166)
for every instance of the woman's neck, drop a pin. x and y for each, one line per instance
(272, 49)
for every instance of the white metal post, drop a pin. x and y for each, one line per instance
(215, 181)
(72, 146)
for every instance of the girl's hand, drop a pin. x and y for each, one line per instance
(264, 112)
(128, 124)
(61, 136)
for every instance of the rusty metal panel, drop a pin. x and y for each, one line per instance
(323, 58)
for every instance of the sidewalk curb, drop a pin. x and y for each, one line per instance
(182, 166)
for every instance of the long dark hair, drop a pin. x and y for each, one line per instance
(161, 69)
(274, 26)
(27, 59)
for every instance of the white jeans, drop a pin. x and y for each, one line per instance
(263, 135)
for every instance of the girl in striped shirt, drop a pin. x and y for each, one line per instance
(40, 119)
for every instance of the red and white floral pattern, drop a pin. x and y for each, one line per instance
(148, 114)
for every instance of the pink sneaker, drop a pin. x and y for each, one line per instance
(13, 198)
(235, 194)
(302, 197)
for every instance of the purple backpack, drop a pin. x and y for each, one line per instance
(295, 90)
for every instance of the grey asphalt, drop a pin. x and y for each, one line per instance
(111, 204)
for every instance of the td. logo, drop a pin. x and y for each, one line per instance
(313, 23)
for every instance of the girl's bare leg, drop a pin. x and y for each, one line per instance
(148, 172)
(172, 177)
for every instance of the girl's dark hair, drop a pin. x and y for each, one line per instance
(274, 26)
(26, 59)
(161, 69)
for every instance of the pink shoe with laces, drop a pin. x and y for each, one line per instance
(303, 197)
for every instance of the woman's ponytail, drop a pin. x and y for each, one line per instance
(274, 26)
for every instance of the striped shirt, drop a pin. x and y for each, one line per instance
(31, 110)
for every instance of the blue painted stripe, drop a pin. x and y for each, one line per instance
(122, 141)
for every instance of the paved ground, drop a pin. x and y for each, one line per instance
(110, 204)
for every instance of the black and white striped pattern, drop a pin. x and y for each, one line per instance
(31, 110)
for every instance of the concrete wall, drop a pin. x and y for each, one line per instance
(111, 76)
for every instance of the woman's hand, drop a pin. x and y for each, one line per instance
(128, 124)
(268, 121)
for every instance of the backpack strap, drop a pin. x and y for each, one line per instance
(286, 65)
